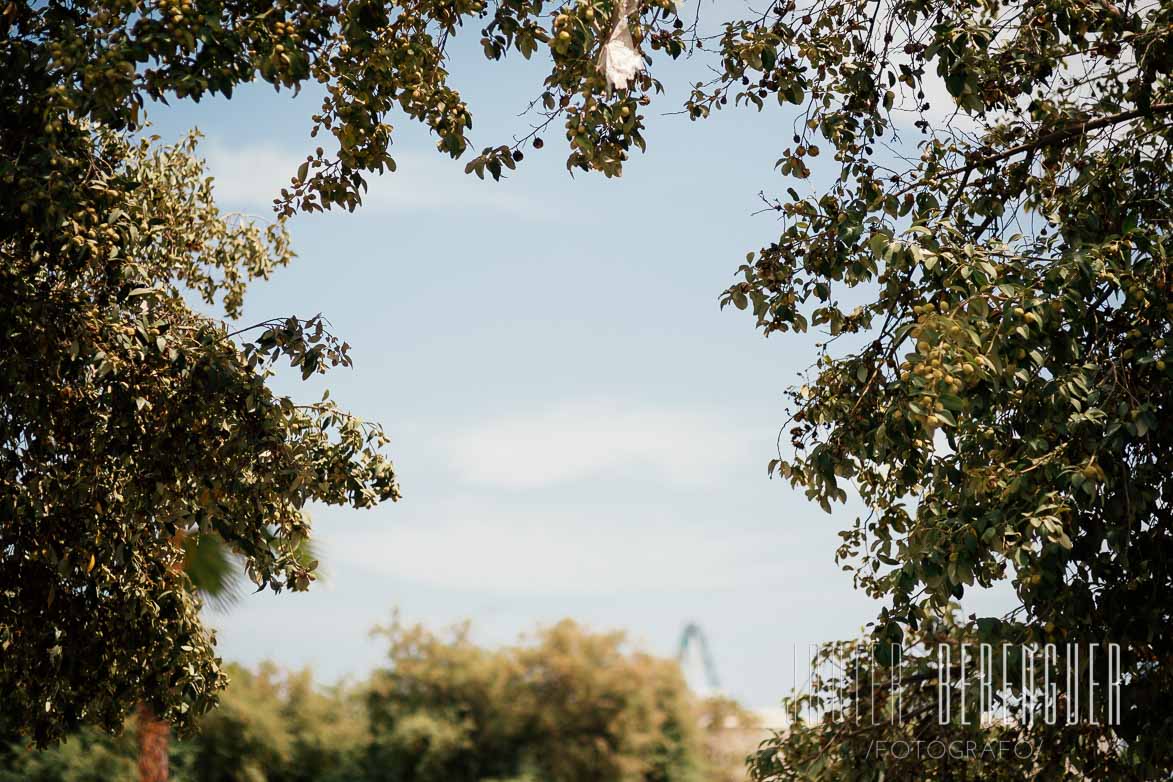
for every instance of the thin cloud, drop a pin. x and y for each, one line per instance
(585, 439)
(561, 552)
(250, 176)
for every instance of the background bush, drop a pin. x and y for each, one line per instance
(568, 705)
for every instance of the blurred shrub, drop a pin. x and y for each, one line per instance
(276, 727)
(86, 756)
(569, 706)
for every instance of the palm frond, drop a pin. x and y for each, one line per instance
(214, 569)
(218, 573)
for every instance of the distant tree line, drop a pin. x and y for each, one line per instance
(570, 706)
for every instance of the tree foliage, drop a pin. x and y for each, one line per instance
(989, 261)
(276, 726)
(994, 387)
(271, 726)
(571, 705)
(925, 717)
(132, 422)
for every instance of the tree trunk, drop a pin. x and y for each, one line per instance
(154, 736)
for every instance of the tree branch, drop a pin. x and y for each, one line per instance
(1057, 136)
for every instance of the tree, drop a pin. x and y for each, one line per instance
(996, 391)
(128, 419)
(278, 726)
(131, 421)
(571, 706)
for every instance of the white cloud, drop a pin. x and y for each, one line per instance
(560, 552)
(250, 176)
(516, 526)
(590, 438)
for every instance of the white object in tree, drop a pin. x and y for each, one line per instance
(619, 60)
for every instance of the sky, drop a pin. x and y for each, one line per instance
(578, 429)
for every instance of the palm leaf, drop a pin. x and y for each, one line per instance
(217, 572)
(214, 570)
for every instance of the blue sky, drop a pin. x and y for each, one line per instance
(578, 429)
